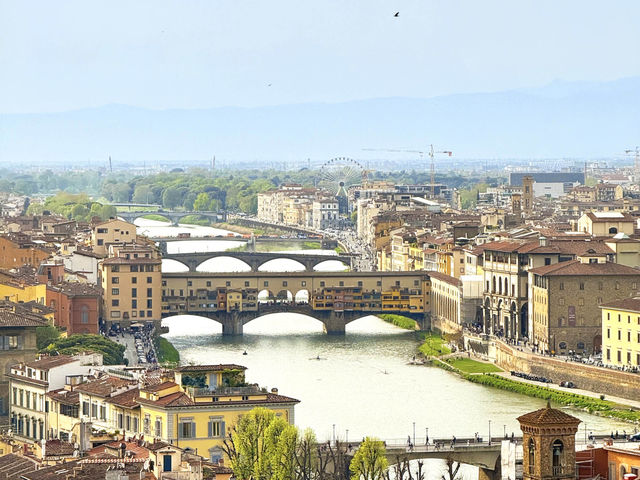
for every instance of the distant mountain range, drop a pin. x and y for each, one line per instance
(562, 119)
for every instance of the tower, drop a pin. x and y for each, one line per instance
(548, 442)
(527, 194)
(516, 204)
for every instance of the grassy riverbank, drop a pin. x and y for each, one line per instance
(604, 408)
(433, 345)
(399, 321)
(166, 352)
(468, 365)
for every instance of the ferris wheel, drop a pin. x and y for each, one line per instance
(339, 173)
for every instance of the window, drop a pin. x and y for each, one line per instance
(284, 283)
(150, 292)
(246, 284)
(158, 431)
(134, 268)
(149, 279)
(304, 284)
(557, 447)
(115, 268)
(581, 285)
(600, 286)
(100, 242)
(115, 303)
(94, 410)
(322, 284)
(228, 284)
(208, 283)
(134, 280)
(134, 292)
(189, 283)
(146, 424)
(115, 291)
(149, 303)
(580, 345)
(103, 412)
(561, 286)
(608, 333)
(149, 314)
(266, 283)
(134, 303)
(84, 314)
(581, 301)
(187, 428)
(547, 261)
(215, 427)
(135, 425)
(532, 455)
(115, 280)
(617, 285)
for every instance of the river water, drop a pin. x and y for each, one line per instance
(362, 383)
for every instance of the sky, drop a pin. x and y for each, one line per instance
(159, 54)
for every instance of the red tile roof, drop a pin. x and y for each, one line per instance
(575, 267)
(548, 415)
(632, 304)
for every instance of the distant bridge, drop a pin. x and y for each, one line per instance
(255, 259)
(173, 217)
(333, 298)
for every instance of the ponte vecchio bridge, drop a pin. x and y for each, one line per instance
(335, 299)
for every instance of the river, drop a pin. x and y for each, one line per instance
(362, 384)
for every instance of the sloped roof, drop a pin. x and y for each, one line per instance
(575, 267)
(631, 303)
(548, 416)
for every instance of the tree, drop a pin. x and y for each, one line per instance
(369, 462)
(171, 197)
(202, 203)
(143, 194)
(282, 441)
(247, 449)
(45, 336)
(121, 192)
(451, 468)
(305, 456)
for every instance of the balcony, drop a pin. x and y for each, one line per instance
(207, 392)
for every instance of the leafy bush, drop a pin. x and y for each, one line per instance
(592, 405)
(399, 321)
(112, 352)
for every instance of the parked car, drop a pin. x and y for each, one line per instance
(635, 438)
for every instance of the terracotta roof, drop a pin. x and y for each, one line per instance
(57, 448)
(11, 319)
(210, 368)
(45, 363)
(103, 386)
(76, 289)
(62, 395)
(158, 446)
(127, 261)
(159, 386)
(632, 304)
(575, 267)
(128, 399)
(12, 466)
(177, 399)
(443, 277)
(548, 415)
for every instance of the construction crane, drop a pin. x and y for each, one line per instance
(636, 163)
(431, 154)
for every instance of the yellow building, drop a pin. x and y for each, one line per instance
(112, 232)
(606, 224)
(201, 406)
(23, 291)
(131, 284)
(621, 332)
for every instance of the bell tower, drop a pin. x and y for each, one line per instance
(548, 443)
(527, 194)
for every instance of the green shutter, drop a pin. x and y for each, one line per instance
(193, 430)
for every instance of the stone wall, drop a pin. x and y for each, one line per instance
(587, 377)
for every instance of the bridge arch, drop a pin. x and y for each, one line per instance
(223, 264)
(171, 265)
(284, 264)
(331, 265)
(302, 296)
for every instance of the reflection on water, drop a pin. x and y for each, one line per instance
(363, 382)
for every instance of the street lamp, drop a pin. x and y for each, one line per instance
(426, 436)
(505, 431)
(489, 432)
(347, 438)
(414, 433)
(334, 433)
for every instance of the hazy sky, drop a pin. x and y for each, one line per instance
(61, 55)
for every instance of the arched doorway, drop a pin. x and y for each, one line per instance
(524, 320)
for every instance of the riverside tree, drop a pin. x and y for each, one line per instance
(370, 461)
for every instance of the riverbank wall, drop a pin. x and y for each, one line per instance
(587, 377)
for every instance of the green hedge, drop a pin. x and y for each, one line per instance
(166, 352)
(592, 405)
(112, 352)
(399, 321)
